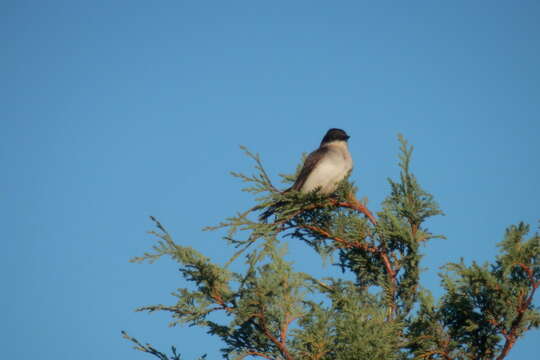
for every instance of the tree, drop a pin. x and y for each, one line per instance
(382, 313)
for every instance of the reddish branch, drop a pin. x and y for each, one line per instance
(344, 243)
(380, 251)
(354, 204)
(285, 327)
(524, 303)
(435, 352)
(256, 353)
(219, 300)
(281, 345)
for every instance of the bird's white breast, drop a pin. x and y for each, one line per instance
(330, 170)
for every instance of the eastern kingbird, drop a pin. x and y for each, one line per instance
(323, 169)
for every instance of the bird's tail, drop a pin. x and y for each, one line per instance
(270, 210)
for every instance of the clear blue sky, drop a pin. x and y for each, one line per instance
(116, 110)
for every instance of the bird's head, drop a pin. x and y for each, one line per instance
(335, 135)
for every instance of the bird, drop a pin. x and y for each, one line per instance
(323, 169)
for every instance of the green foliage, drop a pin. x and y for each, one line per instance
(274, 312)
(350, 328)
(151, 350)
(484, 304)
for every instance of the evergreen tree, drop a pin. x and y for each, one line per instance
(274, 312)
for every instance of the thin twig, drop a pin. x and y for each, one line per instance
(282, 347)
(380, 251)
(353, 203)
(256, 353)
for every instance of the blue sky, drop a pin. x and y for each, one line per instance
(114, 111)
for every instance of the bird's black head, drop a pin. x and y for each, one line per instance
(335, 135)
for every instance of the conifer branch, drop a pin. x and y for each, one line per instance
(523, 305)
(257, 353)
(262, 324)
(285, 326)
(344, 243)
(153, 351)
(354, 204)
(380, 251)
(429, 354)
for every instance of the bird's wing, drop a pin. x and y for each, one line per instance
(309, 165)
